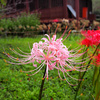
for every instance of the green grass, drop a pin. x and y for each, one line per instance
(16, 85)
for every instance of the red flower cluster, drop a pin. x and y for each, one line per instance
(97, 59)
(86, 42)
(92, 37)
(55, 20)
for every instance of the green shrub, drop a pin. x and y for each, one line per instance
(25, 22)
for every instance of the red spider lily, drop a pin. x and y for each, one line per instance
(86, 42)
(97, 59)
(55, 20)
(92, 37)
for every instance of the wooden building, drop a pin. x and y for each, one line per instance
(52, 9)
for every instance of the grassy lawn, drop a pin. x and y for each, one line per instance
(16, 85)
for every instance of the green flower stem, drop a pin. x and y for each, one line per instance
(80, 73)
(85, 71)
(42, 84)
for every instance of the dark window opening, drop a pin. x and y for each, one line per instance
(72, 3)
(20, 5)
(56, 3)
(43, 4)
(70, 14)
(32, 5)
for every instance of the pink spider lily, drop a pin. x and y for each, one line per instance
(52, 53)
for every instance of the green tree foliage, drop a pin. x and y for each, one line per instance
(3, 2)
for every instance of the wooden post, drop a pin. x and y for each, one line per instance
(36, 4)
(65, 10)
(49, 3)
(49, 9)
(27, 6)
(77, 9)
